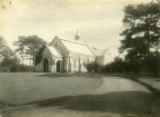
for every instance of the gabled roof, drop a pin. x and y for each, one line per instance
(77, 47)
(54, 51)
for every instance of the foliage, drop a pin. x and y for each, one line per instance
(5, 51)
(141, 38)
(8, 64)
(152, 63)
(142, 30)
(8, 57)
(9, 61)
(29, 45)
(115, 66)
(14, 66)
(118, 65)
(24, 68)
(38, 57)
(2, 43)
(141, 42)
(93, 67)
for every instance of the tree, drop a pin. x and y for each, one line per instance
(142, 31)
(117, 65)
(5, 51)
(2, 47)
(29, 45)
(152, 63)
(8, 57)
(39, 55)
(9, 64)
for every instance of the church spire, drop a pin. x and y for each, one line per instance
(77, 36)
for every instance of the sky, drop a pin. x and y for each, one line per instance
(99, 22)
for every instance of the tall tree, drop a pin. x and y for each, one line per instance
(29, 45)
(141, 34)
(8, 57)
(2, 46)
(5, 51)
(142, 30)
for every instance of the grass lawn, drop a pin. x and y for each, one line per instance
(19, 88)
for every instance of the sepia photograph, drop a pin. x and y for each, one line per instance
(79, 58)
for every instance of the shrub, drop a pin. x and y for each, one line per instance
(39, 55)
(24, 68)
(152, 63)
(116, 66)
(13, 65)
(9, 64)
(93, 67)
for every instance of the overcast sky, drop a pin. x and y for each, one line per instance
(99, 21)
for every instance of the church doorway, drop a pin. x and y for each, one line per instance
(58, 64)
(45, 65)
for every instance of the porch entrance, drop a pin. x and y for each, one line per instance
(58, 64)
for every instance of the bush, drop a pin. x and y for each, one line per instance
(135, 66)
(16, 68)
(13, 65)
(152, 63)
(116, 66)
(24, 68)
(39, 55)
(9, 64)
(93, 67)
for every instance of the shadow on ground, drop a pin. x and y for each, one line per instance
(131, 102)
(57, 75)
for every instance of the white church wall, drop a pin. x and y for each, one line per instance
(78, 62)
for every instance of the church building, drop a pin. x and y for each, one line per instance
(62, 55)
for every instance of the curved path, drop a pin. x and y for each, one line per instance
(118, 84)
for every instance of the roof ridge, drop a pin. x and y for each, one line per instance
(73, 42)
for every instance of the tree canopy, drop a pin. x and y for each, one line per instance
(39, 56)
(142, 30)
(141, 36)
(5, 51)
(29, 45)
(8, 58)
